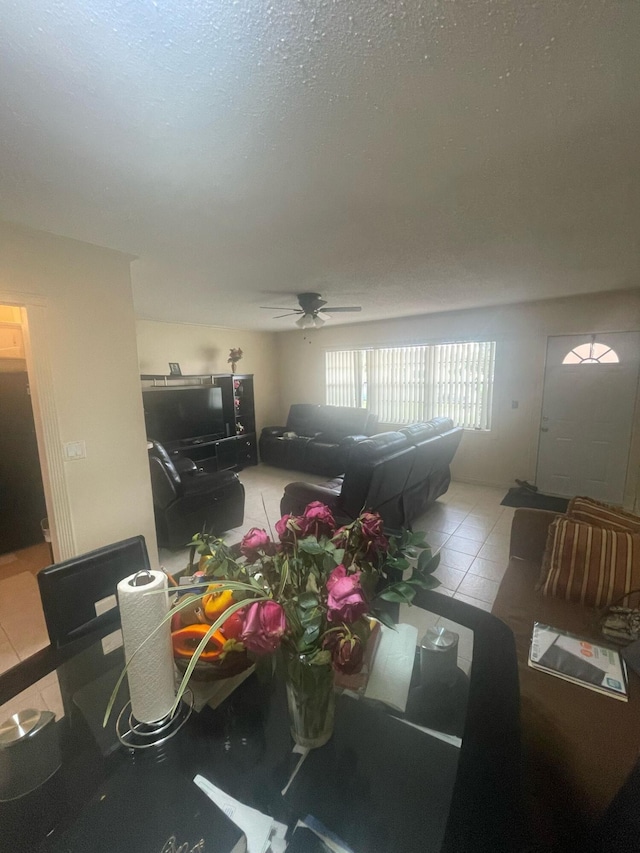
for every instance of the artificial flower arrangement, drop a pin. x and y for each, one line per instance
(310, 595)
(235, 354)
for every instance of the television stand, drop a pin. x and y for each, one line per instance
(208, 456)
(238, 448)
(203, 441)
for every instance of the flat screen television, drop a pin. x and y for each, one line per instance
(183, 414)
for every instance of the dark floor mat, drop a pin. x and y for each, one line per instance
(519, 496)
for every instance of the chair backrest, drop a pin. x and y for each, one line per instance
(376, 473)
(70, 590)
(303, 418)
(340, 421)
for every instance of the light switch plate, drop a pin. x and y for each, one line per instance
(75, 450)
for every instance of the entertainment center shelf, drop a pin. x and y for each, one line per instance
(224, 423)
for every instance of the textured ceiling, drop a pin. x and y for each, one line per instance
(406, 155)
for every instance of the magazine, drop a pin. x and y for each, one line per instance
(578, 660)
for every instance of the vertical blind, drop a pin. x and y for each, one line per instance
(345, 381)
(407, 384)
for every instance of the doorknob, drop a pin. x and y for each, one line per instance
(544, 429)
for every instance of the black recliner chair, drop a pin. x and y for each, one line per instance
(187, 501)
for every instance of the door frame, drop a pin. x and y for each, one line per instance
(631, 491)
(38, 345)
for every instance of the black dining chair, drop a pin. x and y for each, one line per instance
(70, 589)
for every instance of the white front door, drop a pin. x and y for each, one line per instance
(587, 414)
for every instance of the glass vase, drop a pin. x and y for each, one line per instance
(310, 699)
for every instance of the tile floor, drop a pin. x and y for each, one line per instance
(22, 627)
(467, 525)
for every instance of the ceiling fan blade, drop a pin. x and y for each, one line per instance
(290, 314)
(278, 308)
(347, 308)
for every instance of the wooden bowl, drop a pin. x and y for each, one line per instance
(233, 664)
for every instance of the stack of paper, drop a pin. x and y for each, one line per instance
(390, 677)
(262, 832)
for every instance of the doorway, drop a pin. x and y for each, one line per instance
(22, 500)
(589, 397)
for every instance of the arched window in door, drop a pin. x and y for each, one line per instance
(591, 353)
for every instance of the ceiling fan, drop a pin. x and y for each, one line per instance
(312, 312)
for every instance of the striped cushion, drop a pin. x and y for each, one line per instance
(602, 515)
(591, 565)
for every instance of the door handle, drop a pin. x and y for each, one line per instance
(544, 429)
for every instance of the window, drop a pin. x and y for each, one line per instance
(592, 353)
(403, 385)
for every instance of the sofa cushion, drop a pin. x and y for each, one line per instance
(379, 446)
(304, 418)
(602, 515)
(339, 421)
(591, 565)
(417, 433)
(442, 424)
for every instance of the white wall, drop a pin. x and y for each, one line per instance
(521, 331)
(84, 379)
(205, 349)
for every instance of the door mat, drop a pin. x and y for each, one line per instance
(518, 496)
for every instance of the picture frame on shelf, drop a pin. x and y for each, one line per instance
(174, 369)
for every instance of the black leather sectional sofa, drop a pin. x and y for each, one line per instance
(398, 474)
(316, 438)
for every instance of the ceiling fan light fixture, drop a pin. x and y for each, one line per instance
(306, 321)
(318, 322)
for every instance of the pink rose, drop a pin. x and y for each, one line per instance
(264, 625)
(347, 651)
(288, 528)
(253, 541)
(372, 528)
(371, 523)
(346, 601)
(341, 537)
(317, 520)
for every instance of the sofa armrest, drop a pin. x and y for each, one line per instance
(298, 495)
(349, 440)
(529, 530)
(273, 431)
(163, 487)
(186, 466)
(339, 439)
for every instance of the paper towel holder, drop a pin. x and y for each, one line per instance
(146, 735)
(136, 580)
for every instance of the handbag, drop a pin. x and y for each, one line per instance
(619, 622)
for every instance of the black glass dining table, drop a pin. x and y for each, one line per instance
(381, 783)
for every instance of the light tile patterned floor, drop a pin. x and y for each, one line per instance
(467, 525)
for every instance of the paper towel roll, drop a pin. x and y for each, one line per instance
(151, 673)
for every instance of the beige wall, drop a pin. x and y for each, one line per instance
(84, 379)
(521, 331)
(205, 349)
